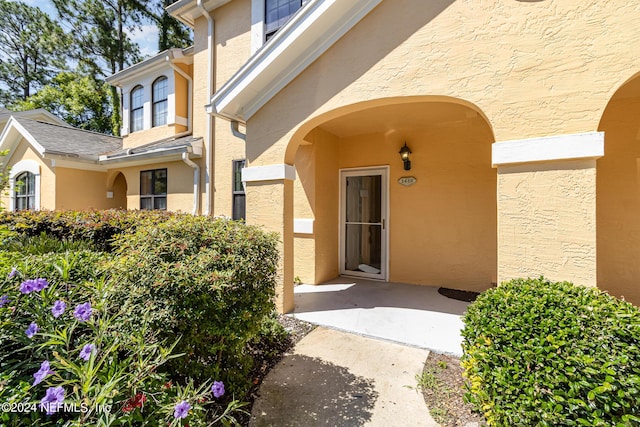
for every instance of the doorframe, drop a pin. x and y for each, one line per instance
(363, 171)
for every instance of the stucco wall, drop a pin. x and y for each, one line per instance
(519, 62)
(547, 221)
(232, 49)
(81, 190)
(142, 137)
(179, 185)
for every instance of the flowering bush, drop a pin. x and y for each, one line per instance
(65, 360)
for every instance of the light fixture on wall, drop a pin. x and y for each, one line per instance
(404, 154)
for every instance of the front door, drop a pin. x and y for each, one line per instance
(363, 228)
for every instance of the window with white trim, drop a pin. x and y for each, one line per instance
(239, 209)
(153, 189)
(136, 121)
(277, 13)
(24, 192)
(160, 102)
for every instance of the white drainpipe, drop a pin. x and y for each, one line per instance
(196, 182)
(208, 139)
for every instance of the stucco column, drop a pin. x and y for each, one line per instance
(546, 196)
(269, 203)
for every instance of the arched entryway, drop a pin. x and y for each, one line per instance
(358, 211)
(618, 195)
(117, 189)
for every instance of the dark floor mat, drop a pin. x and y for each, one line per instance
(467, 296)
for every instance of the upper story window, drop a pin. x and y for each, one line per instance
(137, 110)
(25, 191)
(160, 101)
(277, 13)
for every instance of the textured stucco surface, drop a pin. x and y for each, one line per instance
(81, 190)
(547, 221)
(519, 63)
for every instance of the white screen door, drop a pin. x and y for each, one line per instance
(363, 234)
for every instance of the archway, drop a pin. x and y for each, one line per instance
(618, 195)
(117, 187)
(440, 230)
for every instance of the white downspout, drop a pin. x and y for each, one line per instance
(208, 139)
(189, 92)
(196, 182)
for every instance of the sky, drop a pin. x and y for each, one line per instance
(146, 37)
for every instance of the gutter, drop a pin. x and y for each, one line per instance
(196, 182)
(208, 136)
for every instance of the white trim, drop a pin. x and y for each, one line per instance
(302, 226)
(182, 121)
(309, 33)
(22, 166)
(384, 263)
(71, 164)
(257, 24)
(268, 173)
(589, 145)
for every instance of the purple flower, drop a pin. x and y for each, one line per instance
(58, 308)
(42, 373)
(13, 273)
(31, 285)
(27, 286)
(52, 401)
(181, 410)
(32, 329)
(3, 300)
(83, 312)
(86, 351)
(217, 389)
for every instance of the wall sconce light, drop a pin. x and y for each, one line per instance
(404, 154)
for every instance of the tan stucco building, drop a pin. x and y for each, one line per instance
(520, 118)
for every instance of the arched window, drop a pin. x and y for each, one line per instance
(24, 192)
(159, 100)
(136, 106)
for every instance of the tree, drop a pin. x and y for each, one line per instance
(171, 32)
(81, 101)
(102, 45)
(32, 49)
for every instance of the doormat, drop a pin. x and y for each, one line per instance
(459, 295)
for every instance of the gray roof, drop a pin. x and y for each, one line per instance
(70, 141)
(163, 145)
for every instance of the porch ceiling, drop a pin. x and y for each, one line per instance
(396, 117)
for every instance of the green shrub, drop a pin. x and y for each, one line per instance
(44, 243)
(102, 376)
(211, 282)
(98, 227)
(538, 353)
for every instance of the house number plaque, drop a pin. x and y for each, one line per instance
(407, 180)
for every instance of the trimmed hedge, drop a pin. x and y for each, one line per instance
(542, 353)
(209, 281)
(97, 227)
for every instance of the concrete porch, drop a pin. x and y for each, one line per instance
(408, 314)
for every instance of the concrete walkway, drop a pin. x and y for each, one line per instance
(335, 378)
(408, 314)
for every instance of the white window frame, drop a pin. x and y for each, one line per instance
(19, 168)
